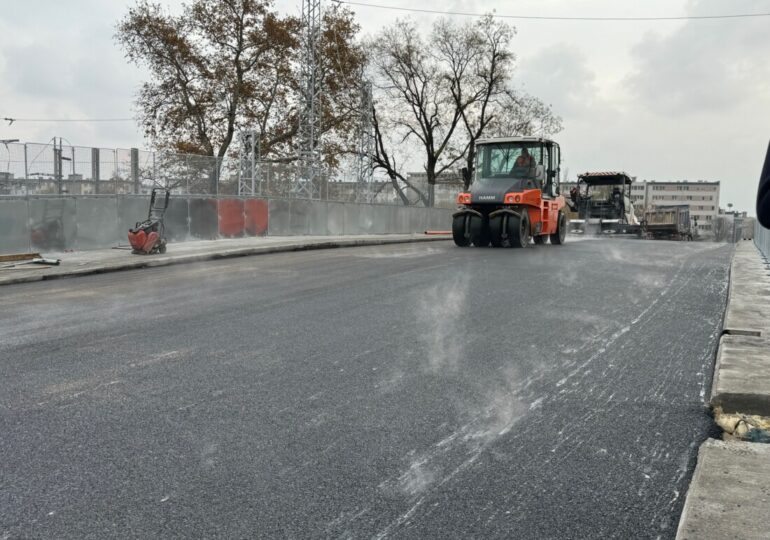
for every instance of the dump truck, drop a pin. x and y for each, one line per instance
(514, 197)
(602, 201)
(668, 223)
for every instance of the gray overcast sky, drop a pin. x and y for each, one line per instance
(667, 100)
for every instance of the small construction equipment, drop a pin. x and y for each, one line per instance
(668, 223)
(603, 204)
(149, 236)
(514, 197)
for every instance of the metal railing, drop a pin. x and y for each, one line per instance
(762, 239)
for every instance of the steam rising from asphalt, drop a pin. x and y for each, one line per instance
(441, 312)
(416, 479)
(486, 408)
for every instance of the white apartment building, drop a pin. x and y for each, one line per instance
(702, 197)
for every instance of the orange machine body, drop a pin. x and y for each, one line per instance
(543, 212)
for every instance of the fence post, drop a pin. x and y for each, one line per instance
(115, 172)
(57, 172)
(135, 169)
(95, 169)
(26, 176)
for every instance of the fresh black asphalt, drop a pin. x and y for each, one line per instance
(406, 391)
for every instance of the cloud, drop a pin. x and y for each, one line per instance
(63, 63)
(707, 65)
(559, 75)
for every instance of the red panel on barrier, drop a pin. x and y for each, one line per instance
(231, 218)
(256, 216)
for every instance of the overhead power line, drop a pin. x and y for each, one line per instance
(555, 18)
(12, 120)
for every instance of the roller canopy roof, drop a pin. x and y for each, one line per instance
(495, 140)
(605, 178)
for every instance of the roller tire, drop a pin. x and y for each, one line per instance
(496, 231)
(479, 231)
(458, 232)
(539, 239)
(518, 230)
(560, 235)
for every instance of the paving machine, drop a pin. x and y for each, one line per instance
(514, 196)
(602, 201)
(149, 236)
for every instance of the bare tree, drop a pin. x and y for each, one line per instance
(382, 159)
(416, 93)
(447, 92)
(480, 61)
(523, 114)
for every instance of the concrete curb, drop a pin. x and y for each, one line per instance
(152, 261)
(741, 382)
(729, 495)
(742, 375)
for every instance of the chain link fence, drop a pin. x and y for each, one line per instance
(28, 169)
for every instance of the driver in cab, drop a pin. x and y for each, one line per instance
(525, 160)
(524, 166)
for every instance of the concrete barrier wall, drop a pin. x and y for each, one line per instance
(52, 224)
(14, 226)
(96, 222)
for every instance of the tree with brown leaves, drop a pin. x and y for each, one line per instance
(224, 65)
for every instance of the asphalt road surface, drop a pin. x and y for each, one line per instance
(407, 391)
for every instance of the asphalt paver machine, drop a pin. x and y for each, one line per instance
(514, 197)
(603, 204)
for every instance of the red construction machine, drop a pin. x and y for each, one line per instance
(514, 197)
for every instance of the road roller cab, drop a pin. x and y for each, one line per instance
(514, 196)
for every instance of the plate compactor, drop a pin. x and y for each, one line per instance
(515, 195)
(149, 236)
